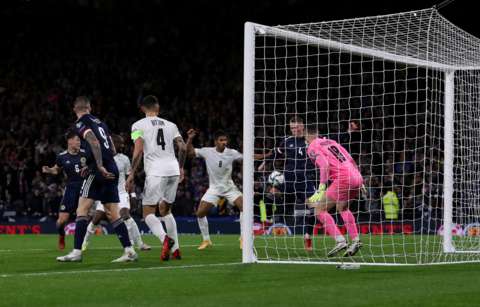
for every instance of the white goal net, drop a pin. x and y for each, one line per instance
(401, 93)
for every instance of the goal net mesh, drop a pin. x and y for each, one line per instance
(376, 85)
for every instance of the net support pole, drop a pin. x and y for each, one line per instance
(449, 118)
(248, 255)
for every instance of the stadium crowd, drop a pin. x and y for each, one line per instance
(44, 69)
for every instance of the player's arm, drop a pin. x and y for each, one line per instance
(54, 170)
(92, 140)
(112, 145)
(182, 154)
(190, 149)
(321, 162)
(137, 137)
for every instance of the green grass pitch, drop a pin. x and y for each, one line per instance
(30, 276)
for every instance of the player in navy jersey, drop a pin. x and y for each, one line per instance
(300, 176)
(71, 161)
(101, 183)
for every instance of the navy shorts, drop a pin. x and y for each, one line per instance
(98, 188)
(69, 201)
(299, 186)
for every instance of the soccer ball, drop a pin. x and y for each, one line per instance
(276, 178)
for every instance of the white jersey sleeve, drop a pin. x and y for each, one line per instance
(200, 152)
(158, 145)
(236, 155)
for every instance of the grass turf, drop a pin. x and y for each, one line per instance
(30, 276)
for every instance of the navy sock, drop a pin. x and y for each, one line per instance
(310, 222)
(81, 224)
(61, 229)
(122, 232)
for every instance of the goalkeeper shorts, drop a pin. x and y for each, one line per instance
(345, 188)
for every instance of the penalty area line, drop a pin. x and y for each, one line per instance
(193, 266)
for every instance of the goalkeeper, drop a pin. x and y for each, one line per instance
(337, 167)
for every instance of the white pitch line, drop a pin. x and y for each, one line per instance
(193, 266)
(92, 248)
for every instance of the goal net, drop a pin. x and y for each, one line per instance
(401, 93)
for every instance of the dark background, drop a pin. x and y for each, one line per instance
(188, 53)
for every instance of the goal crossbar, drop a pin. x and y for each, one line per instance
(358, 50)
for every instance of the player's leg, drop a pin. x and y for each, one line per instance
(202, 212)
(166, 216)
(68, 207)
(81, 223)
(352, 230)
(152, 195)
(62, 220)
(237, 198)
(169, 186)
(92, 226)
(309, 218)
(112, 212)
(348, 189)
(132, 227)
(321, 208)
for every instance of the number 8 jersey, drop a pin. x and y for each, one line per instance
(158, 145)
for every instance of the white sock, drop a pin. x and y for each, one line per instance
(339, 239)
(203, 225)
(133, 232)
(90, 231)
(155, 226)
(76, 252)
(171, 226)
(129, 249)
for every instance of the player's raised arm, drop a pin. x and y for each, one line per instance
(182, 153)
(97, 153)
(190, 149)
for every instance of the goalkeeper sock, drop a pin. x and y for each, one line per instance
(171, 228)
(350, 224)
(155, 226)
(203, 225)
(331, 228)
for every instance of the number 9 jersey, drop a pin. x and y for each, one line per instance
(87, 123)
(158, 145)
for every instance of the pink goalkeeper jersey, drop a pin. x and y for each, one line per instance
(332, 159)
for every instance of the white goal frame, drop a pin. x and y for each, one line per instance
(253, 29)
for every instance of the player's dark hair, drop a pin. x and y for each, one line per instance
(296, 119)
(70, 134)
(219, 133)
(149, 101)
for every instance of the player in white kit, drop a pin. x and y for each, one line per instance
(156, 139)
(219, 161)
(124, 166)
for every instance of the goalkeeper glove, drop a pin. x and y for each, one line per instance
(318, 196)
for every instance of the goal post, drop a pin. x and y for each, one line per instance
(402, 93)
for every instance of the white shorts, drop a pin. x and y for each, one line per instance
(160, 188)
(124, 202)
(213, 195)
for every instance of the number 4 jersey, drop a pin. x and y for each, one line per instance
(158, 145)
